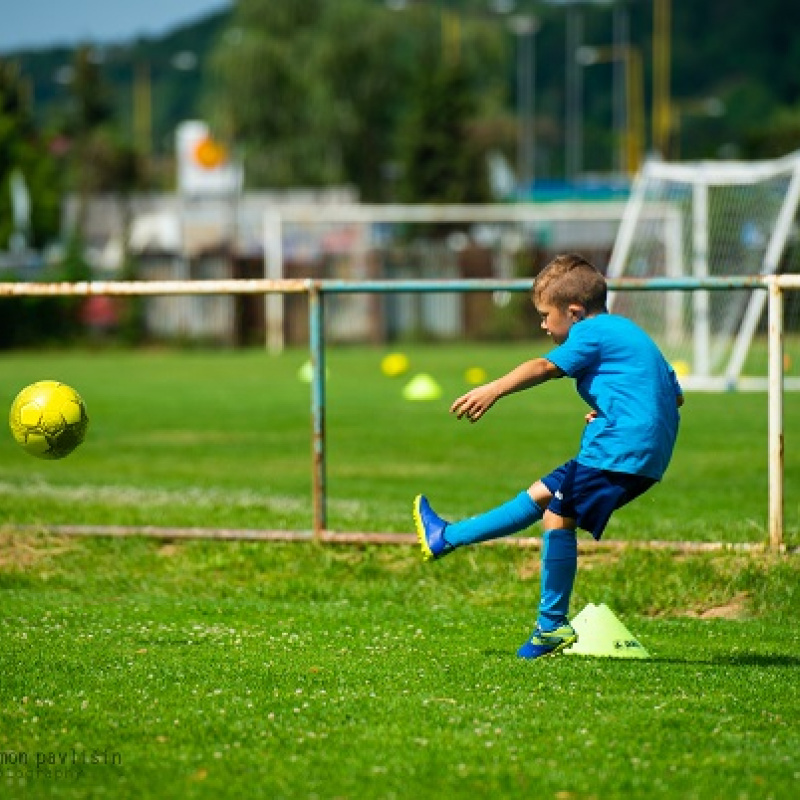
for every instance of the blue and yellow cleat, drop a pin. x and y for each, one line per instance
(430, 530)
(548, 643)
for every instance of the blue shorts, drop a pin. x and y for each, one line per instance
(590, 496)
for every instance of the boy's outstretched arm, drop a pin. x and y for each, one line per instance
(476, 402)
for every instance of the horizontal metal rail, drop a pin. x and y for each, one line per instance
(585, 546)
(333, 286)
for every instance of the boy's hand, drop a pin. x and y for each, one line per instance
(476, 402)
(590, 417)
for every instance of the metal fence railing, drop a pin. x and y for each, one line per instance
(317, 290)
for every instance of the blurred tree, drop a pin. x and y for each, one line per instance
(101, 161)
(441, 160)
(271, 100)
(90, 97)
(778, 135)
(23, 151)
(89, 112)
(368, 61)
(355, 57)
(316, 93)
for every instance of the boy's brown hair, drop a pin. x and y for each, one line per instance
(570, 279)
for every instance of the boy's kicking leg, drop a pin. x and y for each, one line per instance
(438, 537)
(553, 633)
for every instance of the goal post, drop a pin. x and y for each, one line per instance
(704, 220)
(348, 235)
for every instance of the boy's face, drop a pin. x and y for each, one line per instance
(558, 321)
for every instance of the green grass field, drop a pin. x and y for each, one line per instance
(223, 440)
(143, 669)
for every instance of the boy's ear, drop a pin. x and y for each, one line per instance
(576, 311)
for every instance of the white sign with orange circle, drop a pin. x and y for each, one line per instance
(204, 167)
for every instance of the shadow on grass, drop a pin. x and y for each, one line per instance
(733, 660)
(738, 660)
(757, 660)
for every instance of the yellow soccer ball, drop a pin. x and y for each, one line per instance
(48, 419)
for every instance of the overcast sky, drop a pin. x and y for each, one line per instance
(41, 23)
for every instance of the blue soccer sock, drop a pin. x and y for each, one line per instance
(515, 515)
(559, 566)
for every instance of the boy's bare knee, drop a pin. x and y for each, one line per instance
(552, 521)
(540, 494)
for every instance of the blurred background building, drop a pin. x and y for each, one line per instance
(165, 154)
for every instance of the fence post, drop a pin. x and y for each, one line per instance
(316, 314)
(775, 406)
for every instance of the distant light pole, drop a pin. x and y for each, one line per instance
(633, 142)
(662, 109)
(573, 94)
(621, 39)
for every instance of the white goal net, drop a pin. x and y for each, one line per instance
(701, 220)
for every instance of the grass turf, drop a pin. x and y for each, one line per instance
(223, 440)
(231, 669)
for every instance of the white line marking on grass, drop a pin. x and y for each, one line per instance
(211, 498)
(135, 496)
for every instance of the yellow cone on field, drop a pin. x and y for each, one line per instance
(601, 633)
(475, 376)
(682, 368)
(306, 373)
(422, 387)
(394, 364)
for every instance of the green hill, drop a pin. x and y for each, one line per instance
(735, 74)
(174, 65)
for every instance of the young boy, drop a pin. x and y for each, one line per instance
(630, 433)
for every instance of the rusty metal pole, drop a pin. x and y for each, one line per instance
(775, 405)
(316, 313)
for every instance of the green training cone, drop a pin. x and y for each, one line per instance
(600, 633)
(422, 387)
(306, 373)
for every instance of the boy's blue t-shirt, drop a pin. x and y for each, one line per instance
(623, 376)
